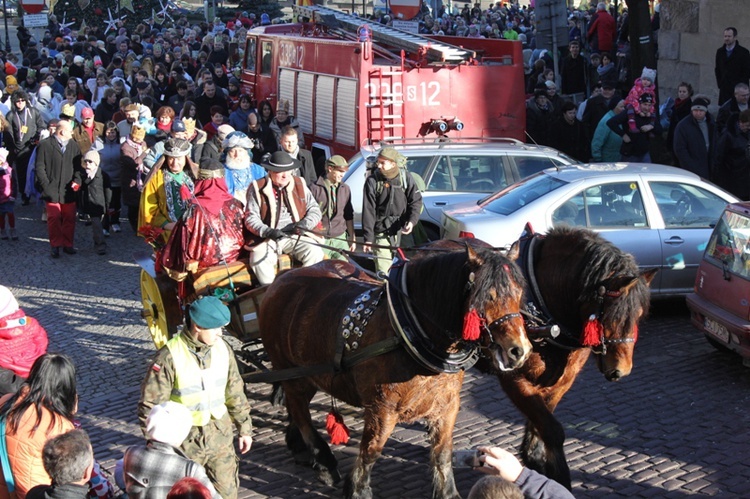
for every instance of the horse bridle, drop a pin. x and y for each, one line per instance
(603, 292)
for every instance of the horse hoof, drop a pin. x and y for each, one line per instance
(329, 477)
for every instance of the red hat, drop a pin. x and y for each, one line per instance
(10, 69)
(230, 25)
(87, 112)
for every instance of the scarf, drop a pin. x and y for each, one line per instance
(91, 169)
(90, 132)
(332, 190)
(173, 183)
(212, 194)
(164, 127)
(604, 69)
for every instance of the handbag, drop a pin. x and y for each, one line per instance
(5, 460)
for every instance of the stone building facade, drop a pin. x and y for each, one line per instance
(691, 32)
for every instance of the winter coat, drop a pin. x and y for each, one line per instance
(81, 136)
(335, 226)
(640, 142)
(110, 163)
(690, 147)
(96, 193)
(131, 163)
(731, 70)
(602, 32)
(680, 111)
(732, 165)
(571, 139)
(538, 123)
(573, 75)
(16, 142)
(386, 209)
(728, 110)
(605, 145)
(25, 450)
(57, 170)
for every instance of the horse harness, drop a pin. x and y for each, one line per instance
(537, 316)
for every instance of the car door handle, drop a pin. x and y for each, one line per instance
(440, 203)
(674, 240)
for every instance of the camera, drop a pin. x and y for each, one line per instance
(466, 458)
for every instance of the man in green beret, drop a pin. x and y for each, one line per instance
(391, 207)
(197, 368)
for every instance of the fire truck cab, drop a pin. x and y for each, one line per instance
(350, 82)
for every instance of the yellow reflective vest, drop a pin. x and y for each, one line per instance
(200, 390)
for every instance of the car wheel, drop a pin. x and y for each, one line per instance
(718, 346)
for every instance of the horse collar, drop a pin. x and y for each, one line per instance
(417, 342)
(354, 322)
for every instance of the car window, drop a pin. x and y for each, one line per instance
(521, 194)
(687, 205)
(418, 164)
(529, 165)
(730, 243)
(469, 173)
(618, 204)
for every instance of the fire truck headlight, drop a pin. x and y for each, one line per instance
(440, 126)
(457, 125)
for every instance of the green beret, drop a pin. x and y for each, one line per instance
(209, 313)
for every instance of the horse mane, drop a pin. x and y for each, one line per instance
(598, 260)
(439, 284)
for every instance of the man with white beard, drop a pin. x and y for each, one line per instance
(240, 171)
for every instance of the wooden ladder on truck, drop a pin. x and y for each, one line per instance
(434, 50)
(385, 104)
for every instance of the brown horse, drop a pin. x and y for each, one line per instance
(578, 281)
(329, 314)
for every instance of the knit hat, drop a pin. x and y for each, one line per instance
(178, 125)
(10, 69)
(210, 168)
(337, 163)
(31, 73)
(67, 111)
(176, 148)
(169, 423)
(78, 59)
(700, 103)
(223, 132)
(8, 303)
(550, 84)
(209, 312)
(137, 133)
(234, 81)
(87, 112)
(91, 155)
(11, 84)
(648, 74)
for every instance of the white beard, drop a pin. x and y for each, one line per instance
(240, 162)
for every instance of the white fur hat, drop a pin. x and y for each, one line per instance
(8, 303)
(169, 423)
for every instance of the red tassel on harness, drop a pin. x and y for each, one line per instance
(635, 333)
(336, 428)
(592, 332)
(472, 321)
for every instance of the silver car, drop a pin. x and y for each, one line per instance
(660, 214)
(457, 171)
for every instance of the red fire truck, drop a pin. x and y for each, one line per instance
(349, 82)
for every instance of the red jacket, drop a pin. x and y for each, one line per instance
(20, 344)
(605, 28)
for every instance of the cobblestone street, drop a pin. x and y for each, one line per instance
(677, 427)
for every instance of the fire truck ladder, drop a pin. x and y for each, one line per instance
(385, 108)
(435, 51)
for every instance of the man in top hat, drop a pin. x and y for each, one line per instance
(280, 210)
(163, 200)
(197, 369)
(391, 206)
(335, 200)
(695, 139)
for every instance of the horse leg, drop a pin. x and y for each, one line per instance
(441, 438)
(377, 429)
(542, 447)
(302, 438)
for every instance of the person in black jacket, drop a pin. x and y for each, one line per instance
(290, 145)
(732, 65)
(391, 207)
(695, 138)
(636, 145)
(69, 461)
(335, 199)
(24, 126)
(539, 118)
(58, 174)
(573, 71)
(264, 139)
(732, 165)
(96, 197)
(733, 107)
(569, 134)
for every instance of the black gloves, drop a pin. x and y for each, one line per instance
(275, 234)
(292, 229)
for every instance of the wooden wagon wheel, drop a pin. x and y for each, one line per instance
(160, 307)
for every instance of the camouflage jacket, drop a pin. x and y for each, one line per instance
(157, 386)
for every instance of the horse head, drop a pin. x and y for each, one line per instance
(610, 316)
(495, 293)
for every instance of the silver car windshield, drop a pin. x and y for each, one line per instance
(523, 193)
